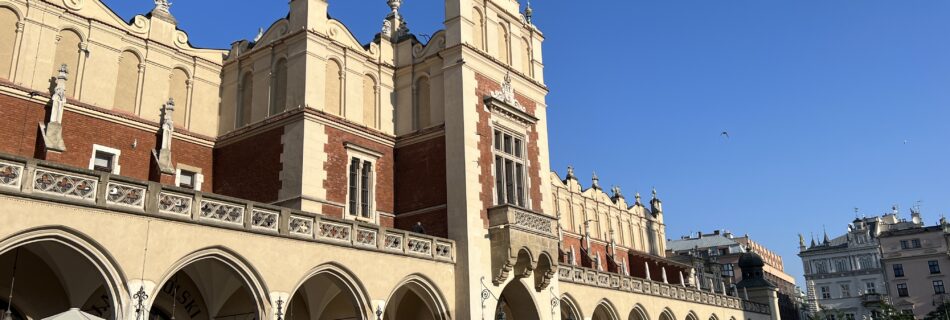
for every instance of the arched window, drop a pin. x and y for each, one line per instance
(8, 21)
(279, 88)
(127, 83)
(525, 56)
(423, 104)
(478, 29)
(503, 44)
(334, 100)
(369, 101)
(178, 90)
(67, 52)
(247, 99)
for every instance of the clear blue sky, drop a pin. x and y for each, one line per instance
(818, 97)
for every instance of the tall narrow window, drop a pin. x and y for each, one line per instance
(67, 52)
(127, 82)
(247, 100)
(178, 90)
(509, 169)
(525, 56)
(8, 22)
(369, 101)
(938, 287)
(478, 29)
(871, 287)
(279, 88)
(360, 188)
(902, 290)
(423, 112)
(934, 266)
(334, 88)
(503, 44)
(898, 270)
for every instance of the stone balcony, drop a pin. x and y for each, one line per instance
(523, 241)
(613, 281)
(44, 181)
(872, 299)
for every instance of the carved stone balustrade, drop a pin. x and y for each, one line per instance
(45, 181)
(523, 241)
(613, 281)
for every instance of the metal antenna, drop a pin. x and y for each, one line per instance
(141, 296)
(9, 314)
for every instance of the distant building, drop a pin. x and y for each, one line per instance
(845, 273)
(724, 249)
(915, 264)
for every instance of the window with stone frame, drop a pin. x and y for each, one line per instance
(845, 290)
(728, 270)
(938, 287)
(510, 169)
(902, 290)
(361, 183)
(825, 292)
(871, 287)
(105, 159)
(189, 178)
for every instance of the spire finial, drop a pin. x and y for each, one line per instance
(654, 193)
(163, 5)
(570, 173)
(596, 181)
(528, 12)
(617, 192)
(638, 199)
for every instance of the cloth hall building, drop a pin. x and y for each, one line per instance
(306, 175)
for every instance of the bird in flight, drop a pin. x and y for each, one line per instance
(724, 134)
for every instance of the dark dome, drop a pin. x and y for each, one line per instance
(750, 260)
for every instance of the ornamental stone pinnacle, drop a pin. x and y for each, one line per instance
(53, 130)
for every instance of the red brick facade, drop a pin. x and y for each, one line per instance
(485, 86)
(420, 184)
(21, 118)
(337, 169)
(250, 168)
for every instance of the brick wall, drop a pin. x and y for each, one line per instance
(250, 168)
(435, 222)
(420, 183)
(485, 86)
(337, 168)
(20, 120)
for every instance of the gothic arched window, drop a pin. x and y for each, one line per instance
(67, 52)
(8, 26)
(279, 88)
(334, 88)
(127, 83)
(369, 101)
(423, 112)
(247, 99)
(178, 90)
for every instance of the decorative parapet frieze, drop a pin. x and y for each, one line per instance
(394, 242)
(78, 187)
(612, 281)
(265, 219)
(334, 231)
(301, 226)
(174, 204)
(121, 194)
(222, 212)
(366, 237)
(65, 185)
(11, 175)
(420, 246)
